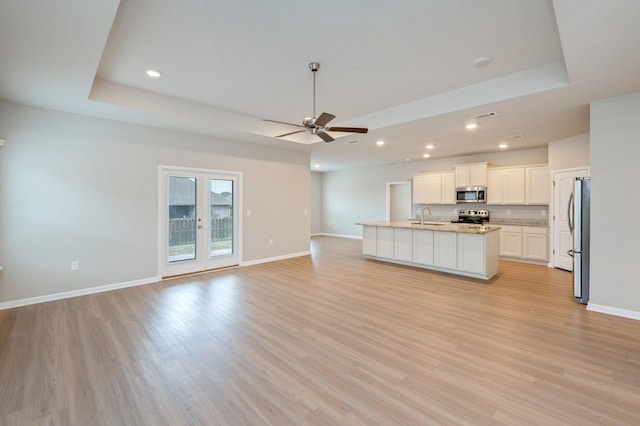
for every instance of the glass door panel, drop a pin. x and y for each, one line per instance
(221, 217)
(182, 227)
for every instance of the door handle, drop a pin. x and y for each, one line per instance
(199, 226)
(570, 253)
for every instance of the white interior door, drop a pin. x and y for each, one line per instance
(398, 201)
(562, 239)
(198, 217)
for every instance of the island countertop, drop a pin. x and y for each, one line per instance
(435, 226)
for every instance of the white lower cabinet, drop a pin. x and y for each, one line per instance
(471, 253)
(423, 246)
(384, 239)
(369, 243)
(445, 249)
(511, 241)
(403, 244)
(535, 243)
(524, 242)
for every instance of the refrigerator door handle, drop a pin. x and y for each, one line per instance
(569, 213)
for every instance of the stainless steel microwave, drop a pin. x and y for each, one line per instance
(471, 194)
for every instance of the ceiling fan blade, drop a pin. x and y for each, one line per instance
(324, 119)
(347, 129)
(290, 133)
(324, 136)
(282, 122)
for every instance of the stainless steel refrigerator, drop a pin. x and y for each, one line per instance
(580, 223)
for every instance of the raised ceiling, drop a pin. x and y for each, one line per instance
(403, 69)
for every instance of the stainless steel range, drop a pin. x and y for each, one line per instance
(472, 216)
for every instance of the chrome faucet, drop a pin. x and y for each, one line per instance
(422, 215)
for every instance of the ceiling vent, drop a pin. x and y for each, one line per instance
(485, 115)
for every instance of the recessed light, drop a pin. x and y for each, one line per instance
(426, 155)
(503, 146)
(316, 166)
(470, 126)
(380, 143)
(429, 146)
(153, 73)
(481, 62)
(407, 159)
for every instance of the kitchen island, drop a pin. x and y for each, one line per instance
(469, 250)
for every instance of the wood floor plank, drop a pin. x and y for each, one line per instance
(331, 338)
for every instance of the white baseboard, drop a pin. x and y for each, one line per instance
(76, 293)
(613, 311)
(273, 259)
(353, 237)
(109, 287)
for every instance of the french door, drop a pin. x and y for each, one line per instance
(198, 220)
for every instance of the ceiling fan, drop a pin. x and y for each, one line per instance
(318, 125)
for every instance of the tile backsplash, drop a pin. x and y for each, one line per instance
(538, 215)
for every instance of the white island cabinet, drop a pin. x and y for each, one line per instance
(470, 250)
(369, 244)
(445, 249)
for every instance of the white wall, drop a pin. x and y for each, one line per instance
(316, 203)
(359, 194)
(615, 171)
(569, 153)
(80, 188)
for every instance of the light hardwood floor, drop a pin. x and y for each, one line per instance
(330, 338)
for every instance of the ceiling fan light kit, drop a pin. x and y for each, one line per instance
(318, 125)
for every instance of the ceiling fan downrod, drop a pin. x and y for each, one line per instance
(314, 66)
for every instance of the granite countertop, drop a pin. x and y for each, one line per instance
(519, 222)
(435, 226)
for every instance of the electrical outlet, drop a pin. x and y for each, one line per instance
(75, 265)
(508, 211)
(306, 211)
(248, 213)
(270, 241)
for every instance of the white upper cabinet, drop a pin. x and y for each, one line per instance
(420, 189)
(449, 188)
(474, 174)
(434, 188)
(537, 185)
(514, 186)
(505, 186)
(518, 185)
(495, 186)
